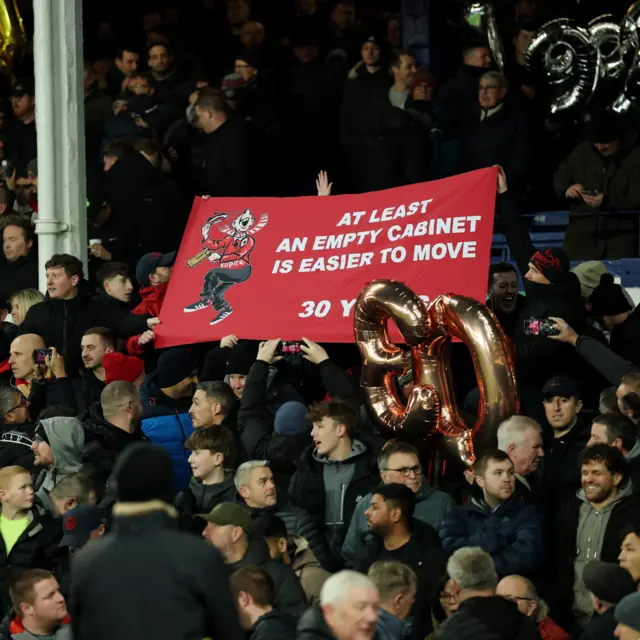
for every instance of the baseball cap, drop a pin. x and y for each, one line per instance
(227, 513)
(23, 87)
(78, 523)
(150, 262)
(607, 581)
(561, 386)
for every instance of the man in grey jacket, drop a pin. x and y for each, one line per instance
(399, 464)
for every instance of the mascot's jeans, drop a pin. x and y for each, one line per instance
(218, 280)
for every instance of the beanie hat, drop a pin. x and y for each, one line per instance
(291, 419)
(143, 472)
(241, 358)
(607, 581)
(608, 299)
(628, 611)
(174, 366)
(552, 263)
(589, 274)
(118, 367)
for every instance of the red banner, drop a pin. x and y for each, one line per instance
(290, 267)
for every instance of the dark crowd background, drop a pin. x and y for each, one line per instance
(243, 488)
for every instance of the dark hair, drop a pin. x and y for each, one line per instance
(23, 584)
(395, 447)
(116, 148)
(268, 525)
(145, 75)
(210, 98)
(157, 43)
(125, 47)
(111, 270)
(612, 458)
(490, 455)
(22, 223)
(608, 402)
(257, 583)
(148, 146)
(214, 439)
(107, 335)
(396, 58)
(631, 527)
(631, 402)
(337, 410)
(500, 267)
(71, 265)
(467, 49)
(618, 427)
(398, 496)
(218, 391)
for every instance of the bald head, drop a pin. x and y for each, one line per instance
(520, 591)
(21, 355)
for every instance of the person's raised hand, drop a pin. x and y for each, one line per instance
(502, 180)
(565, 332)
(146, 338)
(313, 352)
(267, 351)
(229, 341)
(153, 322)
(323, 185)
(55, 364)
(98, 251)
(574, 192)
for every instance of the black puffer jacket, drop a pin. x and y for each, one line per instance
(62, 323)
(202, 498)
(274, 625)
(313, 627)
(490, 618)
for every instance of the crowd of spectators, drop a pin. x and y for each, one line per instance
(226, 491)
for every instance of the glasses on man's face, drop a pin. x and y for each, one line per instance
(407, 471)
(516, 599)
(447, 596)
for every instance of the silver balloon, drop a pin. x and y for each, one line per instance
(480, 15)
(606, 36)
(630, 50)
(566, 54)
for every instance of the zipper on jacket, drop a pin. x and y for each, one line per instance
(342, 494)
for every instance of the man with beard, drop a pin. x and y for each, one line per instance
(96, 342)
(166, 396)
(501, 523)
(115, 421)
(402, 538)
(588, 528)
(503, 297)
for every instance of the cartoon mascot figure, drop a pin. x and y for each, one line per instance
(231, 260)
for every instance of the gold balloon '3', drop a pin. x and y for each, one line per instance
(12, 36)
(430, 409)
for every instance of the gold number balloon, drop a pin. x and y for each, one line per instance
(12, 36)
(430, 411)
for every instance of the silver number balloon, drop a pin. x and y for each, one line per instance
(566, 54)
(606, 37)
(630, 49)
(481, 16)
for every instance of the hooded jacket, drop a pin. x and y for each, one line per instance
(167, 422)
(18, 632)
(202, 498)
(488, 618)
(274, 625)
(431, 507)
(306, 566)
(512, 534)
(564, 550)
(329, 491)
(290, 597)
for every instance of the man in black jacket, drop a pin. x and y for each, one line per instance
(228, 528)
(227, 169)
(188, 598)
(257, 490)
(254, 591)
(589, 527)
(95, 343)
(401, 538)
(481, 614)
(334, 472)
(20, 264)
(68, 311)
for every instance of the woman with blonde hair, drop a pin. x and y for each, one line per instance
(22, 301)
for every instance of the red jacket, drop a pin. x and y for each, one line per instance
(234, 253)
(549, 630)
(152, 299)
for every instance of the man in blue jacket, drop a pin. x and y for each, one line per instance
(166, 398)
(503, 524)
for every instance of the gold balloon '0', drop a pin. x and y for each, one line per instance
(12, 36)
(430, 409)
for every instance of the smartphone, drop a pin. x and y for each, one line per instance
(535, 327)
(591, 192)
(40, 355)
(289, 348)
